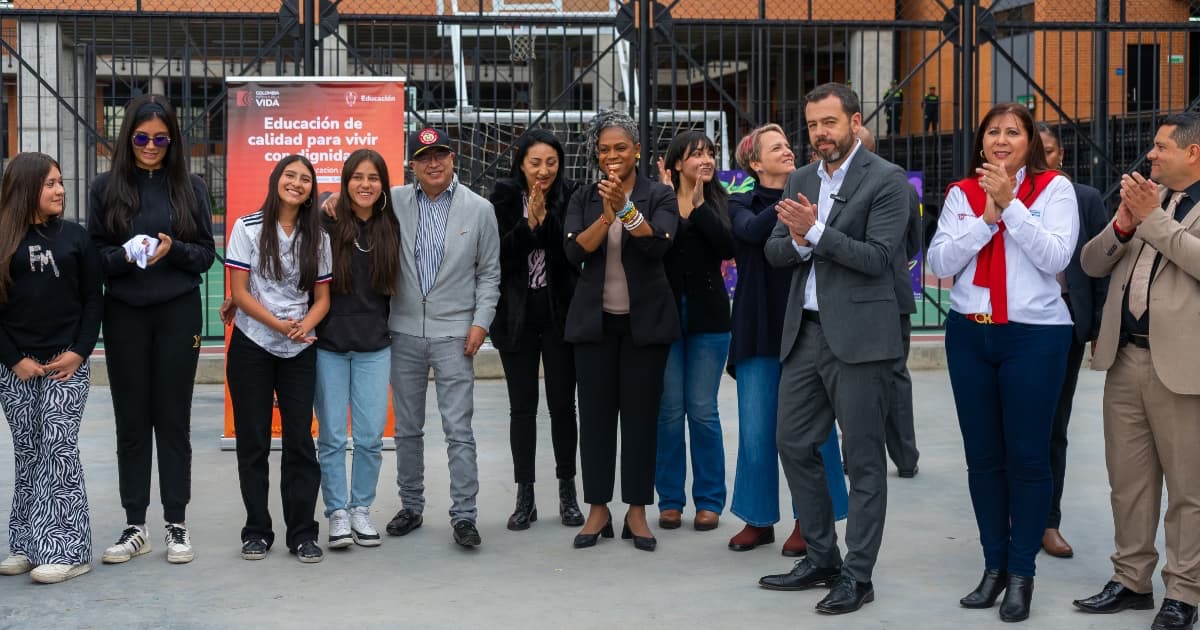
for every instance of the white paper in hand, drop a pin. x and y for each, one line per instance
(140, 249)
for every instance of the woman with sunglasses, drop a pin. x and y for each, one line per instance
(151, 222)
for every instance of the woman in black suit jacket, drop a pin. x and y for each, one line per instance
(536, 283)
(622, 321)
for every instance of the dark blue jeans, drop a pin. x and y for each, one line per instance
(1006, 379)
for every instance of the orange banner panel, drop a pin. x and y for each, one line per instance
(324, 119)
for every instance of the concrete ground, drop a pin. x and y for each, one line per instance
(534, 579)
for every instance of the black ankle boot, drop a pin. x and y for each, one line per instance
(1017, 595)
(525, 512)
(568, 507)
(990, 587)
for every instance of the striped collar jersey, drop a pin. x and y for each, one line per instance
(430, 249)
(282, 297)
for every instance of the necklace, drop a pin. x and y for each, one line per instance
(360, 247)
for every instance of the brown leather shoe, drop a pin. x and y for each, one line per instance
(706, 520)
(670, 519)
(1056, 545)
(795, 546)
(751, 537)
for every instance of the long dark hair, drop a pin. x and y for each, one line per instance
(382, 231)
(20, 199)
(682, 146)
(121, 200)
(306, 242)
(554, 196)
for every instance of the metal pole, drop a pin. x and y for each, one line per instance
(645, 61)
(310, 37)
(967, 104)
(762, 112)
(1100, 93)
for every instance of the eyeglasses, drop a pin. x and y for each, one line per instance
(438, 155)
(142, 139)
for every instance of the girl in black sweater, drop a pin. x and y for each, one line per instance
(153, 317)
(50, 309)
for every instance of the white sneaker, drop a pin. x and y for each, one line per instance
(55, 573)
(16, 564)
(179, 544)
(134, 541)
(339, 530)
(361, 528)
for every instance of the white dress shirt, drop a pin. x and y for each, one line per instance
(1038, 243)
(830, 186)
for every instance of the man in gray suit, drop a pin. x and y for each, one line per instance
(448, 286)
(841, 224)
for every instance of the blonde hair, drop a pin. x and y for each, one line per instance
(748, 149)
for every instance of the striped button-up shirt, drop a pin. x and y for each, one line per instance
(431, 233)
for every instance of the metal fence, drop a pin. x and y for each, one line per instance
(1102, 72)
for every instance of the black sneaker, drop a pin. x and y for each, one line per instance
(309, 552)
(403, 522)
(466, 534)
(254, 549)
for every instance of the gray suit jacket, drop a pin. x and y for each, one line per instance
(855, 260)
(467, 286)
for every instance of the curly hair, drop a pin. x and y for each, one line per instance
(607, 120)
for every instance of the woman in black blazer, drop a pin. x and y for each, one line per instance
(622, 321)
(536, 283)
(695, 364)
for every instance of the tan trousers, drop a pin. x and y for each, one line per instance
(1150, 433)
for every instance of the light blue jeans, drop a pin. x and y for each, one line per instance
(756, 481)
(357, 381)
(690, 384)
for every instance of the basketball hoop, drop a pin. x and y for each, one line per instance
(522, 48)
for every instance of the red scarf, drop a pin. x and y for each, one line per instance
(990, 270)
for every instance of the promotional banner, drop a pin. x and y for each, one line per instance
(324, 119)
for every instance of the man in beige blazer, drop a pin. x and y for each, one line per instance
(1150, 344)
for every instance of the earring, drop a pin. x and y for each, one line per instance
(308, 202)
(982, 155)
(385, 198)
(638, 156)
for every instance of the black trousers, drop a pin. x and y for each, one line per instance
(619, 381)
(151, 356)
(901, 436)
(540, 339)
(1058, 433)
(254, 376)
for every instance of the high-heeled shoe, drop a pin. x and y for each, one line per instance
(645, 543)
(589, 540)
(984, 596)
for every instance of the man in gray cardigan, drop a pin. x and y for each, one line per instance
(448, 286)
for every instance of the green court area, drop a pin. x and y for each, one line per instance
(212, 293)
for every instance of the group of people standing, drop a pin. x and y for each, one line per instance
(615, 288)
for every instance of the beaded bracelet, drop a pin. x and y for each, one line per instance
(626, 213)
(635, 222)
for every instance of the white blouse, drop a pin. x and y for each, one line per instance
(1038, 243)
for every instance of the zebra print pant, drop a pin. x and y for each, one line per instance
(49, 521)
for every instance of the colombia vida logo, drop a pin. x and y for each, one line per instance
(351, 98)
(243, 98)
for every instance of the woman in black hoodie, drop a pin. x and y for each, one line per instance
(152, 225)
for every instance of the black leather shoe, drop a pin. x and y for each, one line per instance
(847, 595)
(645, 543)
(909, 474)
(1017, 596)
(803, 576)
(525, 512)
(1174, 615)
(990, 587)
(1113, 598)
(568, 506)
(403, 522)
(583, 541)
(466, 535)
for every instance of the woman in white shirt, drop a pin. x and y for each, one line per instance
(1004, 235)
